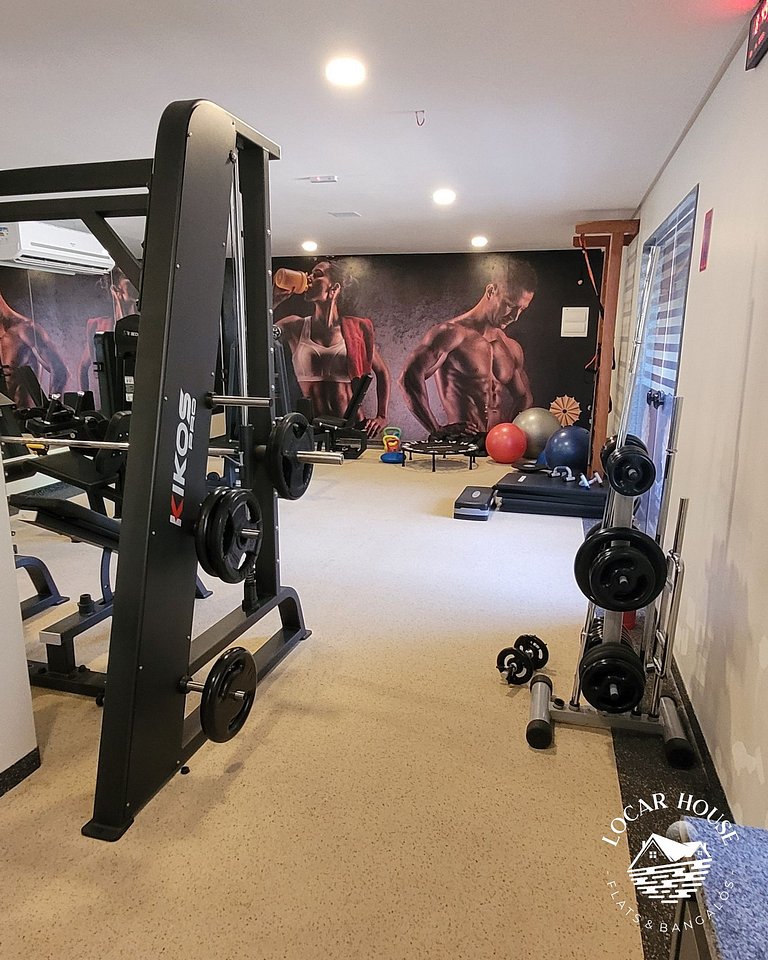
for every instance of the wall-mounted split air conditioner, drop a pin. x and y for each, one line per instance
(52, 247)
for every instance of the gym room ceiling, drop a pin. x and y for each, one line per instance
(538, 114)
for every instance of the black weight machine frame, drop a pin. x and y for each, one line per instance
(209, 168)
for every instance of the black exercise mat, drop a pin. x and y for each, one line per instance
(540, 485)
(552, 508)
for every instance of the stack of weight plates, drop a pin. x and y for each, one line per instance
(540, 493)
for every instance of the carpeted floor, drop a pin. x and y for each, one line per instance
(381, 801)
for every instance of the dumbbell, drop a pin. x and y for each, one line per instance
(520, 661)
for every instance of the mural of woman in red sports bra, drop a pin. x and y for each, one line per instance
(331, 348)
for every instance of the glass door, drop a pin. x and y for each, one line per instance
(657, 373)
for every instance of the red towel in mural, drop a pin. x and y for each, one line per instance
(358, 336)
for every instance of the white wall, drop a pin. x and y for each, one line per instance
(722, 463)
(16, 724)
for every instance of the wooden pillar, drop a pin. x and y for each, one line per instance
(612, 236)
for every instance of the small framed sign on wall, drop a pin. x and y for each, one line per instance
(757, 44)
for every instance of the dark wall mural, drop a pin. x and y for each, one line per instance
(449, 338)
(47, 323)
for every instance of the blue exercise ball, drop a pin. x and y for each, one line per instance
(568, 447)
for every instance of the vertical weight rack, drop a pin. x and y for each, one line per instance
(655, 656)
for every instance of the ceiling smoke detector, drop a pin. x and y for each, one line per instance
(344, 214)
(330, 178)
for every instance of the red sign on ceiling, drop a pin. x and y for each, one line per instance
(757, 44)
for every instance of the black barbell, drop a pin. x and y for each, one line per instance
(289, 452)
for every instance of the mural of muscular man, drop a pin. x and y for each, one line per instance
(25, 343)
(123, 304)
(479, 371)
(331, 348)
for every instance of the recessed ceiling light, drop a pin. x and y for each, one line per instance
(479, 241)
(444, 197)
(309, 245)
(345, 72)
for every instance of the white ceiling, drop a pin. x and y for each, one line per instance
(538, 114)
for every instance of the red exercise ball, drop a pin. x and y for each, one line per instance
(506, 443)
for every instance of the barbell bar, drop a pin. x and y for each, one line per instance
(224, 401)
(303, 456)
(193, 686)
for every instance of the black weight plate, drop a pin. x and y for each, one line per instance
(535, 648)
(622, 579)
(202, 529)
(290, 435)
(232, 555)
(610, 445)
(501, 659)
(630, 471)
(612, 678)
(222, 715)
(519, 667)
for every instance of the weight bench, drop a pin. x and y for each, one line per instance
(341, 433)
(77, 523)
(99, 475)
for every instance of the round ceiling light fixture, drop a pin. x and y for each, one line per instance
(309, 245)
(479, 241)
(345, 72)
(444, 197)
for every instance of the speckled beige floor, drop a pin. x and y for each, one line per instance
(381, 801)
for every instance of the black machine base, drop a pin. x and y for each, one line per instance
(205, 646)
(99, 831)
(81, 680)
(46, 592)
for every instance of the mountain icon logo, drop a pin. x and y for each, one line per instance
(668, 871)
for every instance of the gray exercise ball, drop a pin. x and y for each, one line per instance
(538, 425)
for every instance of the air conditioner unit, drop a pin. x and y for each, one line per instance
(52, 247)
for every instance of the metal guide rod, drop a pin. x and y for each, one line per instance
(674, 430)
(682, 517)
(645, 303)
(670, 608)
(217, 401)
(238, 278)
(303, 456)
(651, 618)
(95, 444)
